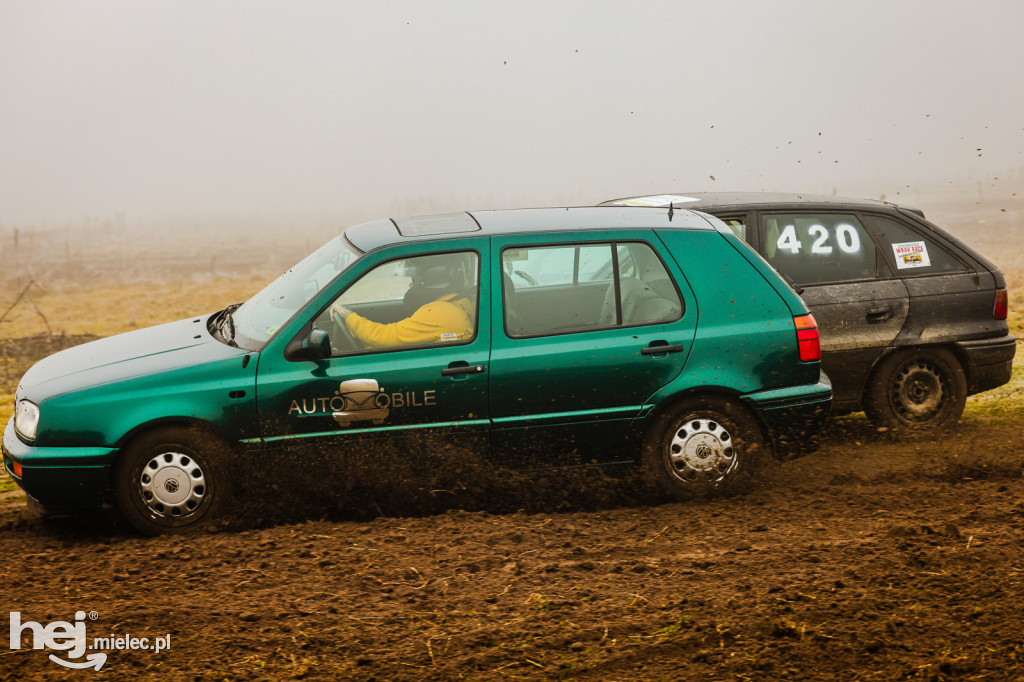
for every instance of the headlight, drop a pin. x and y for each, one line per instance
(26, 419)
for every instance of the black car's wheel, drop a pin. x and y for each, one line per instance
(919, 390)
(169, 480)
(704, 445)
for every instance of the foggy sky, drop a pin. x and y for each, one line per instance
(341, 111)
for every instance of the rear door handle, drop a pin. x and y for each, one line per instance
(879, 313)
(461, 368)
(662, 348)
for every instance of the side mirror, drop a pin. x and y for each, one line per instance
(314, 346)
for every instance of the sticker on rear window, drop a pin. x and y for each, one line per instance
(911, 255)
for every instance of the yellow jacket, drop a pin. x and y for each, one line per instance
(446, 320)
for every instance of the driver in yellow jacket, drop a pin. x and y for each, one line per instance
(446, 318)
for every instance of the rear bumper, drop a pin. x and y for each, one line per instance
(57, 478)
(794, 415)
(988, 362)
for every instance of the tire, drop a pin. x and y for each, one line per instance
(170, 480)
(917, 391)
(704, 446)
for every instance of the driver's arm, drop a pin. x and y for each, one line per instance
(426, 325)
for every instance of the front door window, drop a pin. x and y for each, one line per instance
(407, 303)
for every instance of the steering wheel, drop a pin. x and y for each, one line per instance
(348, 342)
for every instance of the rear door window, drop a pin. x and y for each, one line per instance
(581, 287)
(910, 252)
(815, 248)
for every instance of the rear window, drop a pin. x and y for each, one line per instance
(738, 226)
(912, 253)
(814, 248)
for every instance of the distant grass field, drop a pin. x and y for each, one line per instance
(104, 310)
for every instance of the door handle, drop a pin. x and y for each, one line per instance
(661, 348)
(879, 313)
(461, 368)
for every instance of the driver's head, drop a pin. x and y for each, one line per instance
(430, 284)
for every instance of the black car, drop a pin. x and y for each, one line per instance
(912, 320)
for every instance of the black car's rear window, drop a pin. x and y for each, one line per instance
(912, 253)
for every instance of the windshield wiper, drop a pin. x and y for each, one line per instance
(226, 325)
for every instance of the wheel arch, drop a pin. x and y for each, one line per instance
(869, 379)
(717, 392)
(878, 405)
(187, 423)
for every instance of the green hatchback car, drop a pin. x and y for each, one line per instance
(595, 335)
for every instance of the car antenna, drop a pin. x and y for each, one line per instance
(671, 211)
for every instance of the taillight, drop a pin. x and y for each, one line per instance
(807, 338)
(1002, 305)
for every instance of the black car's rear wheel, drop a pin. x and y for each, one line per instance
(916, 391)
(704, 445)
(169, 480)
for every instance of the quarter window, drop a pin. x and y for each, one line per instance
(818, 248)
(913, 254)
(738, 226)
(582, 287)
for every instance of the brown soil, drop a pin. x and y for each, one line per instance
(868, 559)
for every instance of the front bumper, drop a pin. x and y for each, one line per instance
(793, 415)
(58, 477)
(988, 362)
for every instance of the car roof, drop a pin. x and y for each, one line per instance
(752, 200)
(379, 233)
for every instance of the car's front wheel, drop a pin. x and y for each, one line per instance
(169, 480)
(702, 446)
(916, 391)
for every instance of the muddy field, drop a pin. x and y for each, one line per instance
(870, 559)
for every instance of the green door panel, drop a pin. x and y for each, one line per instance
(314, 402)
(576, 392)
(339, 401)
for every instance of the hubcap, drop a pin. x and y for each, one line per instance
(919, 390)
(702, 451)
(172, 484)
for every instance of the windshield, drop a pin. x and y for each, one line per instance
(256, 320)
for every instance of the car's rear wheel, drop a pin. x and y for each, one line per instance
(703, 446)
(919, 390)
(169, 480)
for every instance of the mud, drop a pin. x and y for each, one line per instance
(871, 558)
